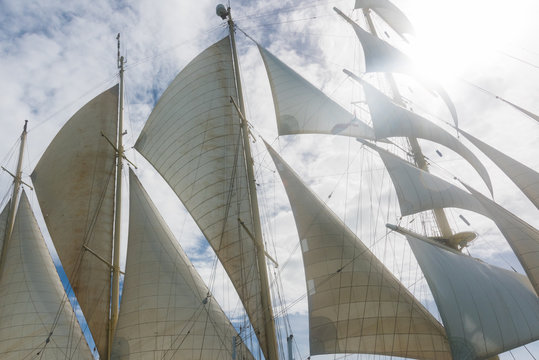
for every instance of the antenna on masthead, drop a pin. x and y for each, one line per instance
(119, 57)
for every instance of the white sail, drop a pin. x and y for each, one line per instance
(192, 138)
(391, 14)
(418, 190)
(355, 304)
(166, 311)
(301, 108)
(391, 120)
(485, 310)
(521, 236)
(3, 225)
(36, 318)
(522, 110)
(525, 178)
(382, 57)
(74, 181)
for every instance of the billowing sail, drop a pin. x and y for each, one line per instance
(382, 57)
(391, 14)
(485, 310)
(193, 139)
(391, 120)
(355, 304)
(521, 236)
(36, 318)
(74, 181)
(525, 178)
(417, 190)
(301, 108)
(183, 321)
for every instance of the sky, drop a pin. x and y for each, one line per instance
(56, 56)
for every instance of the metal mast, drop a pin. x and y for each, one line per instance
(269, 324)
(419, 158)
(115, 296)
(17, 181)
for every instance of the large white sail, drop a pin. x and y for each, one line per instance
(485, 310)
(391, 14)
(418, 190)
(525, 178)
(301, 108)
(193, 139)
(166, 312)
(74, 181)
(390, 120)
(355, 304)
(521, 236)
(382, 57)
(36, 318)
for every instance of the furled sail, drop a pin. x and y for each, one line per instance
(355, 304)
(193, 139)
(521, 236)
(301, 108)
(417, 190)
(36, 318)
(74, 181)
(391, 14)
(382, 57)
(184, 321)
(391, 120)
(485, 310)
(525, 178)
(3, 225)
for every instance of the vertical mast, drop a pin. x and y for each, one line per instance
(419, 159)
(269, 324)
(17, 181)
(115, 296)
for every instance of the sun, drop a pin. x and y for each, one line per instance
(453, 37)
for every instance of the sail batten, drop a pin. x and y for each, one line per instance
(301, 108)
(486, 310)
(192, 138)
(74, 182)
(35, 314)
(526, 179)
(355, 304)
(184, 315)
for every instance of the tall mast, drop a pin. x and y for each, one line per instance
(419, 159)
(17, 181)
(115, 296)
(271, 339)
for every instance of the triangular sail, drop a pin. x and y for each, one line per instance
(417, 190)
(74, 181)
(382, 57)
(301, 108)
(391, 120)
(182, 321)
(192, 138)
(485, 310)
(391, 14)
(525, 178)
(521, 236)
(36, 318)
(355, 304)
